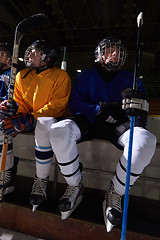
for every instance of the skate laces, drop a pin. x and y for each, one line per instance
(72, 191)
(39, 186)
(113, 199)
(7, 176)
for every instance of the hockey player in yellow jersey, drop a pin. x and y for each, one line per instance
(41, 93)
(44, 90)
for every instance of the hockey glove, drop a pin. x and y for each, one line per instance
(134, 103)
(8, 108)
(111, 113)
(18, 123)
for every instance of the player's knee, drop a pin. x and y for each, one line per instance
(60, 131)
(153, 140)
(145, 150)
(43, 125)
(147, 140)
(151, 145)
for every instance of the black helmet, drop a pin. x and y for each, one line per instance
(6, 48)
(49, 54)
(100, 53)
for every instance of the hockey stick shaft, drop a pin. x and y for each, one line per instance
(23, 27)
(10, 97)
(126, 197)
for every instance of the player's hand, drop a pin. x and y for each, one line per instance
(110, 112)
(16, 124)
(8, 108)
(134, 103)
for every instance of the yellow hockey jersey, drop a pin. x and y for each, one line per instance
(45, 94)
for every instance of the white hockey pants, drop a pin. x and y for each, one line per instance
(43, 148)
(143, 148)
(63, 139)
(50, 136)
(63, 136)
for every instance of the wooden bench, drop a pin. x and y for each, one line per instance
(99, 159)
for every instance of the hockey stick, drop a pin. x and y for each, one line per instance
(126, 197)
(64, 63)
(23, 27)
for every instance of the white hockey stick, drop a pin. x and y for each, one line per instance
(23, 27)
(64, 63)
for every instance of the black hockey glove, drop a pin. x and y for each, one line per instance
(111, 113)
(135, 103)
(8, 108)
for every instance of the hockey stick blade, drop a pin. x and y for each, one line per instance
(24, 26)
(140, 19)
(31, 22)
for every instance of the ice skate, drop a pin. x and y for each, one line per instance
(9, 182)
(70, 200)
(10, 179)
(38, 194)
(112, 210)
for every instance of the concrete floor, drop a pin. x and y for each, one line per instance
(6, 234)
(143, 216)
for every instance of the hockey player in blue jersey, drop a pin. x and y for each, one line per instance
(5, 71)
(96, 103)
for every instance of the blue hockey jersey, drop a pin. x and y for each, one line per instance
(4, 84)
(90, 89)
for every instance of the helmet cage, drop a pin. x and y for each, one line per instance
(104, 48)
(27, 54)
(48, 54)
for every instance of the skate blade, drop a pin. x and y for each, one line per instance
(8, 190)
(108, 224)
(65, 215)
(34, 208)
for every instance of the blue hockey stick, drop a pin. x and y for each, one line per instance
(126, 197)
